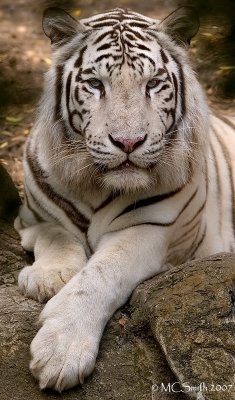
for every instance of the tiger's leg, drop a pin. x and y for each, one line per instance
(58, 257)
(65, 349)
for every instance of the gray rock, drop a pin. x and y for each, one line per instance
(191, 312)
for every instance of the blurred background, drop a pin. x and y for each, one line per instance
(25, 55)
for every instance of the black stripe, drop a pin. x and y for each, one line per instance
(132, 17)
(188, 202)
(101, 37)
(182, 91)
(77, 218)
(206, 176)
(76, 95)
(164, 56)
(107, 201)
(230, 171)
(85, 128)
(169, 98)
(218, 182)
(75, 112)
(109, 18)
(143, 25)
(149, 201)
(68, 85)
(104, 47)
(165, 86)
(163, 123)
(116, 11)
(183, 241)
(31, 208)
(108, 55)
(71, 115)
(167, 72)
(130, 36)
(101, 152)
(163, 224)
(79, 60)
(79, 76)
(40, 206)
(182, 86)
(145, 56)
(58, 91)
(84, 88)
(137, 34)
(161, 71)
(88, 71)
(199, 243)
(195, 215)
(175, 82)
(84, 111)
(151, 34)
(142, 47)
(183, 236)
(218, 185)
(103, 25)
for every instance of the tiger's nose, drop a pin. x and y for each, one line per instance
(128, 145)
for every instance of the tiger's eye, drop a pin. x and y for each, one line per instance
(95, 83)
(152, 83)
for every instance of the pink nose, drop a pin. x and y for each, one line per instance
(128, 145)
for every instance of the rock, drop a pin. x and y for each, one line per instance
(12, 256)
(191, 312)
(9, 197)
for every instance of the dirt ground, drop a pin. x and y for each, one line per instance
(25, 56)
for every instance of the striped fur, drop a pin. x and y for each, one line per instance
(126, 170)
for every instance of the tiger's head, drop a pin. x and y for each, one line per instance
(126, 102)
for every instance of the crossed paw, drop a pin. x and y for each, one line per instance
(41, 283)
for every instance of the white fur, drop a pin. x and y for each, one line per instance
(129, 248)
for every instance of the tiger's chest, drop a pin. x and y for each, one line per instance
(168, 212)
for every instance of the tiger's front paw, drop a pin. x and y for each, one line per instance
(64, 350)
(62, 356)
(41, 282)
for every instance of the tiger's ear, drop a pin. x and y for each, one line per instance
(59, 26)
(182, 24)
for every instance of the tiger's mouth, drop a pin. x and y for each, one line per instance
(130, 166)
(126, 177)
(125, 165)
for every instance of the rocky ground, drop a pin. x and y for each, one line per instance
(179, 326)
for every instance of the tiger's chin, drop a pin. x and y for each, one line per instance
(127, 179)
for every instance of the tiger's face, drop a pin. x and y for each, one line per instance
(123, 110)
(123, 98)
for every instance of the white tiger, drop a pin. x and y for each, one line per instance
(126, 170)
